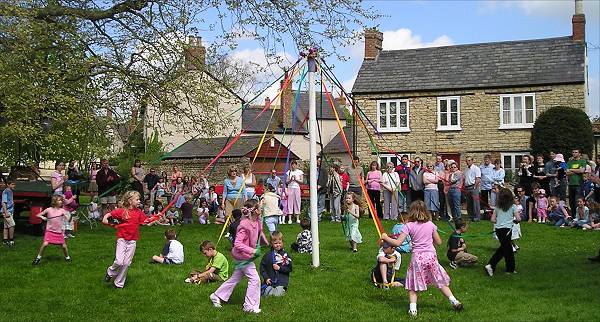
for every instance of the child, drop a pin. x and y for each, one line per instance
(172, 215)
(54, 216)
(236, 217)
(424, 267)
(94, 210)
(388, 262)
(160, 188)
(303, 242)
(542, 206)
(245, 249)
(582, 215)
(397, 229)
(275, 268)
(557, 212)
(351, 216)
(516, 230)
(587, 187)
(504, 216)
(187, 209)
(217, 269)
(220, 216)
(594, 216)
(457, 248)
(272, 212)
(8, 208)
(70, 205)
(172, 253)
(130, 217)
(284, 201)
(203, 212)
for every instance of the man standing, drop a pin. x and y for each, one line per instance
(416, 181)
(472, 188)
(550, 170)
(487, 182)
(440, 169)
(274, 181)
(107, 178)
(321, 186)
(151, 179)
(403, 170)
(575, 170)
(354, 173)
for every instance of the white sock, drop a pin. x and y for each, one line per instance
(412, 306)
(67, 257)
(38, 257)
(453, 300)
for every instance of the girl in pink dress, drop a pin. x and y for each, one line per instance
(424, 268)
(54, 216)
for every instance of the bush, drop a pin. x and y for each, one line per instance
(561, 129)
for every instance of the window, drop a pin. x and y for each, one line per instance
(392, 116)
(393, 158)
(512, 161)
(517, 111)
(448, 113)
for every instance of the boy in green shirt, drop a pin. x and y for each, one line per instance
(217, 269)
(575, 170)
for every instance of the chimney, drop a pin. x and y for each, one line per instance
(267, 101)
(195, 54)
(341, 100)
(287, 103)
(373, 43)
(578, 23)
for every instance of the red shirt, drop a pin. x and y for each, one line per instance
(345, 179)
(128, 229)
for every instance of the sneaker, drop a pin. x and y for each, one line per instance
(412, 312)
(355, 250)
(255, 311)
(489, 270)
(513, 272)
(107, 278)
(216, 301)
(453, 265)
(68, 259)
(71, 236)
(187, 280)
(36, 261)
(11, 243)
(297, 221)
(457, 306)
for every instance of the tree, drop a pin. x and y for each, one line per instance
(114, 56)
(561, 129)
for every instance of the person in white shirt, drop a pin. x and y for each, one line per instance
(472, 188)
(390, 183)
(487, 182)
(293, 180)
(172, 253)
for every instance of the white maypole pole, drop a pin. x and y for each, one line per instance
(312, 125)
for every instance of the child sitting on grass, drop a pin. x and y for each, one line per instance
(275, 268)
(388, 262)
(172, 253)
(236, 217)
(457, 248)
(203, 212)
(405, 247)
(557, 212)
(582, 215)
(172, 215)
(303, 242)
(217, 269)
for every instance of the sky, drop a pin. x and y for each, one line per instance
(415, 24)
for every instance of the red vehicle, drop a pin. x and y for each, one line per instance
(31, 193)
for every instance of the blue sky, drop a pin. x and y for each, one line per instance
(414, 24)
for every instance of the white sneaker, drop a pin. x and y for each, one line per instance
(489, 270)
(188, 280)
(216, 301)
(255, 311)
(297, 221)
(412, 312)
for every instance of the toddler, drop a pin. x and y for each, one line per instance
(217, 269)
(70, 205)
(272, 213)
(54, 217)
(172, 252)
(187, 209)
(172, 215)
(516, 228)
(203, 212)
(303, 242)
(275, 268)
(93, 209)
(160, 188)
(351, 216)
(220, 216)
(384, 272)
(542, 206)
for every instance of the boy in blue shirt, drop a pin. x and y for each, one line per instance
(8, 208)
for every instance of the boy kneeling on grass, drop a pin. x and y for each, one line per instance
(172, 253)
(457, 248)
(275, 268)
(388, 261)
(217, 269)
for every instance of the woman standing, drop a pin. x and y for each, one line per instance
(498, 177)
(334, 186)
(455, 181)
(137, 174)
(93, 187)
(57, 179)
(525, 174)
(176, 174)
(539, 172)
(233, 192)
(295, 177)
(250, 183)
(390, 182)
(374, 187)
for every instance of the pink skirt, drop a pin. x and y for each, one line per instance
(424, 270)
(53, 237)
(294, 201)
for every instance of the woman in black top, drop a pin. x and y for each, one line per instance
(539, 173)
(525, 174)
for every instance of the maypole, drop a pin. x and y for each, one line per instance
(312, 122)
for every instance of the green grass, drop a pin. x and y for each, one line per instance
(555, 282)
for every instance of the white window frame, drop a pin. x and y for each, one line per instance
(388, 127)
(387, 157)
(512, 156)
(523, 124)
(448, 127)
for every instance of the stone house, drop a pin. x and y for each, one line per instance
(467, 100)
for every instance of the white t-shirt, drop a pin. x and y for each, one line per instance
(296, 173)
(381, 253)
(472, 172)
(175, 252)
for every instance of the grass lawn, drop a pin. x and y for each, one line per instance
(555, 281)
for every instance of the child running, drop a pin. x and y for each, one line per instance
(245, 250)
(424, 268)
(172, 253)
(275, 268)
(351, 216)
(217, 269)
(504, 216)
(130, 217)
(54, 216)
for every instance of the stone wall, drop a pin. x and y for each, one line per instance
(479, 120)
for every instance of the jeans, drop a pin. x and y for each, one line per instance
(272, 222)
(558, 219)
(504, 251)
(454, 201)
(473, 206)
(336, 207)
(321, 203)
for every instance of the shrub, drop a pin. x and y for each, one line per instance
(561, 129)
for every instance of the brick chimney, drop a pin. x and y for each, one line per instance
(373, 43)
(267, 101)
(578, 23)
(287, 103)
(195, 54)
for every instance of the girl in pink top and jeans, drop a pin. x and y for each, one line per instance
(424, 268)
(244, 251)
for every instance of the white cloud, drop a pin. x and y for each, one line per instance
(561, 9)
